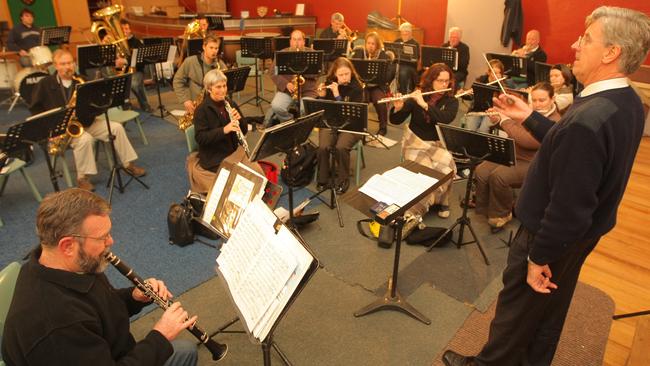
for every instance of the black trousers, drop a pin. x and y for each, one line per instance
(343, 142)
(527, 325)
(407, 78)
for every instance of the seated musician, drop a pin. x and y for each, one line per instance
(455, 35)
(336, 28)
(188, 80)
(342, 83)
(24, 36)
(407, 78)
(532, 52)
(203, 23)
(55, 91)
(215, 132)
(137, 80)
(64, 309)
(420, 142)
(287, 94)
(374, 50)
(495, 183)
(482, 123)
(560, 77)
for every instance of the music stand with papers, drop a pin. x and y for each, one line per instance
(405, 53)
(54, 36)
(393, 215)
(332, 48)
(542, 72)
(237, 79)
(154, 53)
(338, 117)
(96, 97)
(373, 73)
(95, 56)
(264, 266)
(446, 55)
(38, 129)
(299, 63)
(474, 147)
(284, 138)
(259, 49)
(514, 66)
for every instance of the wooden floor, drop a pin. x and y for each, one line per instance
(620, 264)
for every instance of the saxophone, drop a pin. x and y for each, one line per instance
(188, 118)
(57, 145)
(240, 136)
(297, 80)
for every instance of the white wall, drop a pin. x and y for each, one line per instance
(481, 23)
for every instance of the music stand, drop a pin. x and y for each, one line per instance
(483, 95)
(373, 73)
(95, 56)
(259, 49)
(38, 129)
(338, 117)
(96, 97)
(282, 42)
(404, 52)
(154, 53)
(54, 36)
(392, 299)
(332, 48)
(446, 55)
(299, 63)
(542, 72)
(215, 23)
(284, 138)
(475, 147)
(236, 79)
(514, 65)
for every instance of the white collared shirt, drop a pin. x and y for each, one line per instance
(600, 86)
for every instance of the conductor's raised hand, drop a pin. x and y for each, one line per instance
(512, 107)
(232, 126)
(173, 321)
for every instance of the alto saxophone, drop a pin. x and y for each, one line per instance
(240, 136)
(57, 145)
(297, 80)
(188, 118)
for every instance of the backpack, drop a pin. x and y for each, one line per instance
(180, 225)
(303, 166)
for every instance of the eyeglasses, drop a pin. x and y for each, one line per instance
(103, 239)
(442, 81)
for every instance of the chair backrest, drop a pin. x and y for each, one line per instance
(191, 141)
(8, 278)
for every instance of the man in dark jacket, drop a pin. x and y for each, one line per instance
(64, 310)
(572, 191)
(24, 36)
(533, 52)
(455, 36)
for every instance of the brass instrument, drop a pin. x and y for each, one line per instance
(392, 99)
(110, 23)
(192, 30)
(57, 145)
(297, 81)
(188, 118)
(350, 34)
(240, 136)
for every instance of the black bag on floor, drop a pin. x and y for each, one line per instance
(303, 166)
(180, 224)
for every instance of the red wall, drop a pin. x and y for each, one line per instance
(427, 14)
(560, 22)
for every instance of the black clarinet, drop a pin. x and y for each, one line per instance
(218, 350)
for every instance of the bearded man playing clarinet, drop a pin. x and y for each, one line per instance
(64, 310)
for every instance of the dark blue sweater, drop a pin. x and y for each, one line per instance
(576, 182)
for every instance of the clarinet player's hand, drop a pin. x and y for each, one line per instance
(235, 115)
(158, 287)
(173, 321)
(232, 126)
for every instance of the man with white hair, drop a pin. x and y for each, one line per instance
(407, 78)
(455, 36)
(336, 28)
(533, 52)
(572, 191)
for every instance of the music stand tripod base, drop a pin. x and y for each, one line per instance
(388, 302)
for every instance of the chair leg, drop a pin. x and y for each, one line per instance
(357, 170)
(3, 183)
(142, 135)
(66, 171)
(32, 186)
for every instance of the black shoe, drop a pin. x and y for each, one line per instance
(322, 186)
(451, 358)
(382, 132)
(343, 187)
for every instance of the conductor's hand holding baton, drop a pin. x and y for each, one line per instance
(512, 107)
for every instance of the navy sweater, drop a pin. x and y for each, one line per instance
(576, 182)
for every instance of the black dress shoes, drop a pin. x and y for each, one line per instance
(451, 358)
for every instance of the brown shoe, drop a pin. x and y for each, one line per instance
(135, 170)
(84, 183)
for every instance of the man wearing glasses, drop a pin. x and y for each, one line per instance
(572, 190)
(64, 310)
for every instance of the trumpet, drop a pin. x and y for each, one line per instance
(240, 136)
(392, 99)
(349, 33)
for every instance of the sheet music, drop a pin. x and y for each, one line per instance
(398, 185)
(215, 195)
(262, 269)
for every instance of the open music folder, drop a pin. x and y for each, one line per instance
(264, 266)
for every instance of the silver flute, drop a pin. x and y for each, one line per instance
(240, 136)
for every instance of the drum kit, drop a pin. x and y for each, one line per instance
(22, 81)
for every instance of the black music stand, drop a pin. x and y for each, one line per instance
(96, 56)
(373, 73)
(405, 53)
(514, 66)
(483, 94)
(236, 79)
(475, 147)
(338, 117)
(446, 55)
(284, 138)
(392, 299)
(38, 129)
(299, 63)
(542, 72)
(332, 48)
(282, 42)
(215, 23)
(96, 97)
(54, 36)
(154, 53)
(259, 49)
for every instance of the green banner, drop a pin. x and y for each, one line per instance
(43, 12)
